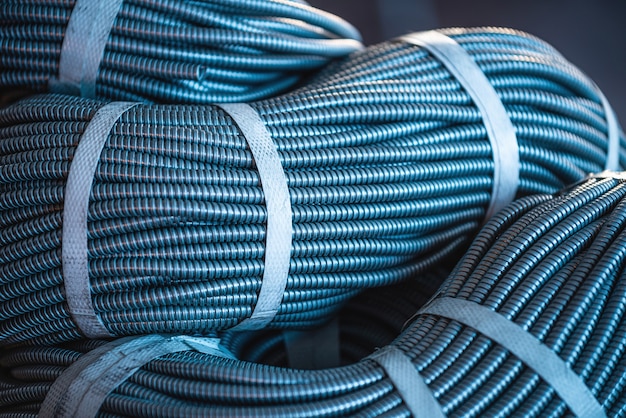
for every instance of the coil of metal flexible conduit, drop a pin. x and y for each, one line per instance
(170, 51)
(550, 265)
(389, 173)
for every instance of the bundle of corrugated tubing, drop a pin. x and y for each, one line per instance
(443, 301)
(180, 51)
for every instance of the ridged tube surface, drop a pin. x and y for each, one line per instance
(179, 51)
(552, 264)
(389, 172)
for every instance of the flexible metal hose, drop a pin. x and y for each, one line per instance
(552, 264)
(180, 51)
(387, 162)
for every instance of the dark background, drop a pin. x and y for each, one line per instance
(589, 33)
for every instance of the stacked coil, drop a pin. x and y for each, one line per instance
(375, 168)
(550, 267)
(173, 51)
(389, 171)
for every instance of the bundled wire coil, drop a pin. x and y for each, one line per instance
(177, 51)
(552, 265)
(387, 163)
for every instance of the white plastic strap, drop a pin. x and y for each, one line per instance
(500, 130)
(279, 218)
(314, 350)
(74, 240)
(83, 46)
(83, 387)
(607, 174)
(525, 346)
(612, 152)
(416, 395)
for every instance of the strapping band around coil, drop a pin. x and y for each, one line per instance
(83, 46)
(83, 387)
(279, 214)
(613, 134)
(74, 247)
(500, 130)
(606, 174)
(525, 346)
(412, 388)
